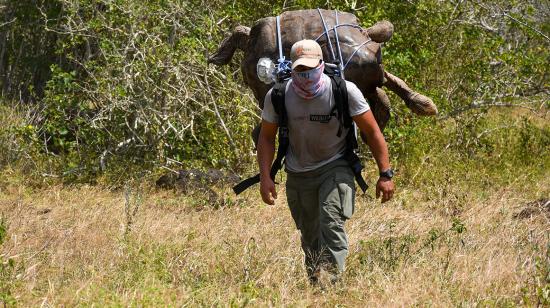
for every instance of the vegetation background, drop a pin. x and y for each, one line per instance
(101, 97)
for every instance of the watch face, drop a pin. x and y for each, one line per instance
(387, 174)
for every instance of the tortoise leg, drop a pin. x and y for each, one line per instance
(237, 40)
(418, 103)
(380, 104)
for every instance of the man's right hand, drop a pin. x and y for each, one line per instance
(266, 151)
(386, 188)
(268, 191)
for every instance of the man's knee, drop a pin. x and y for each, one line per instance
(333, 235)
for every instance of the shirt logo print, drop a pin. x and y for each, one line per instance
(323, 118)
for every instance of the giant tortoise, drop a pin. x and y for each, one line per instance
(360, 48)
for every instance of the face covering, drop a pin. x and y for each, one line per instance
(309, 84)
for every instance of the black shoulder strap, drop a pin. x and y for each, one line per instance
(341, 102)
(340, 94)
(278, 101)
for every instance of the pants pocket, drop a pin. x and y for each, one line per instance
(294, 206)
(346, 190)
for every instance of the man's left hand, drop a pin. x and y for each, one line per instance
(385, 187)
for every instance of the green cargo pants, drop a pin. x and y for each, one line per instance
(320, 201)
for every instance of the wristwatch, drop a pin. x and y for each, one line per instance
(387, 174)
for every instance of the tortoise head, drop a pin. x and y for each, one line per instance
(381, 32)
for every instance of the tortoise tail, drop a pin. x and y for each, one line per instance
(237, 39)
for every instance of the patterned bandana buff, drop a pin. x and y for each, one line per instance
(309, 84)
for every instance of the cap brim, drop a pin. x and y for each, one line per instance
(308, 62)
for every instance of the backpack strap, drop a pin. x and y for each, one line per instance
(340, 94)
(341, 105)
(278, 102)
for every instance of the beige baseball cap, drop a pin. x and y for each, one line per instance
(307, 53)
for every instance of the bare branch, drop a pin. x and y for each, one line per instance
(9, 22)
(526, 25)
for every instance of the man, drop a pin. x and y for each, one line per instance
(320, 184)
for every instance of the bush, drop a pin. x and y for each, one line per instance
(121, 89)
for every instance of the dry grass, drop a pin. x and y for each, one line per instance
(71, 247)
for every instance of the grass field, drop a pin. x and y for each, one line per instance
(98, 99)
(146, 247)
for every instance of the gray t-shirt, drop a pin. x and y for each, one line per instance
(312, 130)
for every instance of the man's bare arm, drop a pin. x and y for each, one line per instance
(377, 144)
(266, 152)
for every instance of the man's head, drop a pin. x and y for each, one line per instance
(306, 54)
(307, 69)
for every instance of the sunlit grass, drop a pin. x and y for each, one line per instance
(71, 246)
